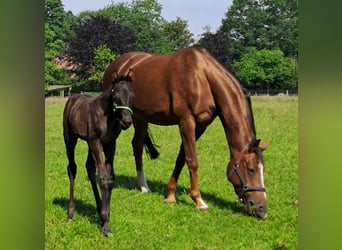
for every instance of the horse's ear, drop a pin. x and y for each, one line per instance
(114, 76)
(256, 144)
(264, 146)
(253, 145)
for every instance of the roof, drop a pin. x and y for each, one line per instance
(65, 62)
(58, 87)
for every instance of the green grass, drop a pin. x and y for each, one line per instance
(144, 221)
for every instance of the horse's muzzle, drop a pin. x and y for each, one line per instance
(254, 209)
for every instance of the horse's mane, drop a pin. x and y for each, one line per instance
(250, 111)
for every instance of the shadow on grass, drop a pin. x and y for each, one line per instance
(88, 210)
(129, 182)
(82, 208)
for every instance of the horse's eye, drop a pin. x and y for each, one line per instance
(250, 170)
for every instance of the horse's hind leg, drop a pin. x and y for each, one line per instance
(171, 186)
(70, 144)
(140, 130)
(150, 147)
(91, 170)
(180, 162)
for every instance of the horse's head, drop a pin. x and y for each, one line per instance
(122, 98)
(246, 173)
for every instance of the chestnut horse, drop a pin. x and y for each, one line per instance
(97, 120)
(190, 88)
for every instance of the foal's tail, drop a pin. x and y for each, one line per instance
(150, 147)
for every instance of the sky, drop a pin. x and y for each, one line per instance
(198, 13)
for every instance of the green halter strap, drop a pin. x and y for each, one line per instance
(123, 108)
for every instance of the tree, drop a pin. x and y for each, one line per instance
(176, 35)
(58, 20)
(266, 69)
(57, 28)
(144, 18)
(264, 24)
(217, 45)
(154, 34)
(92, 32)
(103, 56)
(53, 45)
(282, 25)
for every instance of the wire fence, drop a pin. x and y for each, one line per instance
(272, 92)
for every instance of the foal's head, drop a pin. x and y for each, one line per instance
(122, 98)
(246, 173)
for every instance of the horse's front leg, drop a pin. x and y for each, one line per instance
(171, 187)
(140, 130)
(188, 134)
(106, 183)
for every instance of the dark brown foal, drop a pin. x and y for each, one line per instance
(99, 121)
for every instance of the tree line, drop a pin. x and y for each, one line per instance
(257, 41)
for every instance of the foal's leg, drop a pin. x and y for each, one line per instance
(180, 162)
(140, 130)
(70, 143)
(106, 183)
(91, 170)
(187, 130)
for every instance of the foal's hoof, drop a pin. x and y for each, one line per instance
(108, 234)
(106, 231)
(70, 217)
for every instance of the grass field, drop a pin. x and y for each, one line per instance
(144, 221)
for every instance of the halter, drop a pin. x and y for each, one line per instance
(118, 107)
(244, 187)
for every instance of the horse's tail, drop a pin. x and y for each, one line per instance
(150, 147)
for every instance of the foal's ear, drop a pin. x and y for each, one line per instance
(264, 146)
(130, 74)
(114, 76)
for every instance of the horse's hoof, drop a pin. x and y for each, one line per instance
(170, 200)
(145, 189)
(203, 208)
